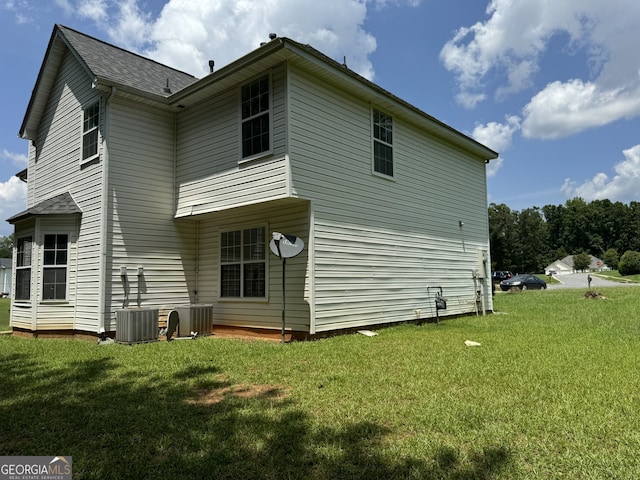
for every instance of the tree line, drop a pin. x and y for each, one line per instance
(529, 240)
(6, 246)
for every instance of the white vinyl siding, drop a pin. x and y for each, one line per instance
(210, 174)
(291, 217)
(141, 225)
(54, 168)
(379, 245)
(54, 314)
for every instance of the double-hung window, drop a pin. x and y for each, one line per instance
(256, 105)
(24, 248)
(243, 263)
(54, 267)
(382, 143)
(90, 123)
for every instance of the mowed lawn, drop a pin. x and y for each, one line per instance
(552, 392)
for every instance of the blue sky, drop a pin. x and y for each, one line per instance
(553, 86)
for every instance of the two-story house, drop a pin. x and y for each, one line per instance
(150, 188)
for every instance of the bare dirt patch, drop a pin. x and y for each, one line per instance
(212, 396)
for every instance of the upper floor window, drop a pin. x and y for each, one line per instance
(243, 263)
(382, 143)
(24, 248)
(54, 267)
(256, 136)
(90, 123)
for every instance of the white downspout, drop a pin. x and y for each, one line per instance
(104, 216)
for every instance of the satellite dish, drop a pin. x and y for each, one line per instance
(289, 245)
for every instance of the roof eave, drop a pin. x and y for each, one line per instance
(238, 65)
(107, 85)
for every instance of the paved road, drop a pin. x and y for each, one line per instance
(580, 280)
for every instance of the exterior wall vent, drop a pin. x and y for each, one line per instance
(137, 325)
(195, 318)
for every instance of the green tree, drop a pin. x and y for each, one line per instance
(6, 246)
(611, 258)
(581, 261)
(630, 226)
(502, 235)
(576, 226)
(629, 263)
(554, 217)
(532, 245)
(561, 253)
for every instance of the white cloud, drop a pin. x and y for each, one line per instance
(498, 137)
(516, 36)
(18, 159)
(13, 192)
(65, 6)
(623, 187)
(188, 33)
(470, 100)
(95, 10)
(13, 199)
(133, 27)
(562, 109)
(510, 41)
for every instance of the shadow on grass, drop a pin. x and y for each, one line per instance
(147, 426)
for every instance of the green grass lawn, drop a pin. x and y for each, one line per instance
(615, 276)
(4, 314)
(552, 392)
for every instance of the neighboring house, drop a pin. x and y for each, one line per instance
(561, 267)
(5, 277)
(150, 188)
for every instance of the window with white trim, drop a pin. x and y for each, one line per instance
(54, 266)
(90, 124)
(382, 143)
(243, 263)
(256, 105)
(24, 249)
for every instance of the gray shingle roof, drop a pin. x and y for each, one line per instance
(114, 64)
(62, 204)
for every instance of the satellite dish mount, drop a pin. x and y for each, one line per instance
(285, 246)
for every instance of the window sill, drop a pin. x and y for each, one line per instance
(243, 299)
(382, 175)
(22, 303)
(54, 302)
(86, 161)
(255, 158)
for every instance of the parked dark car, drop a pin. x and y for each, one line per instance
(500, 275)
(523, 282)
